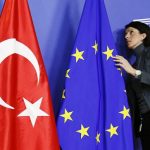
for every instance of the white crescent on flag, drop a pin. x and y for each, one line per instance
(12, 46)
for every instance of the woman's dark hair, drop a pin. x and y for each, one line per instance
(143, 28)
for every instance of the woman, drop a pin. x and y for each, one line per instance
(137, 36)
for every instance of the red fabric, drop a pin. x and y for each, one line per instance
(18, 80)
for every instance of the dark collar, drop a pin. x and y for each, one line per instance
(138, 50)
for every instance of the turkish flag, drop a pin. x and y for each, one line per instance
(26, 115)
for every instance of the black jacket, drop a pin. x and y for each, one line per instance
(138, 89)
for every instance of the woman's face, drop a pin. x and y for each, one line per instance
(133, 37)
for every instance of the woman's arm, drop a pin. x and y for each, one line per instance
(123, 63)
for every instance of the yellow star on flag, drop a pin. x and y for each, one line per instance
(78, 55)
(67, 116)
(98, 138)
(63, 94)
(83, 131)
(125, 112)
(95, 46)
(67, 73)
(112, 130)
(108, 52)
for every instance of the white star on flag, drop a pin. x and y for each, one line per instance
(33, 110)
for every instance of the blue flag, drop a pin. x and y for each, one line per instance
(95, 114)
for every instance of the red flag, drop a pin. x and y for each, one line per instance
(26, 115)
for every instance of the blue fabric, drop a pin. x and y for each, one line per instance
(94, 90)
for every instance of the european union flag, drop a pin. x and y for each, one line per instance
(95, 113)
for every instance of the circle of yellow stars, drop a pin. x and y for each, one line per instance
(68, 115)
